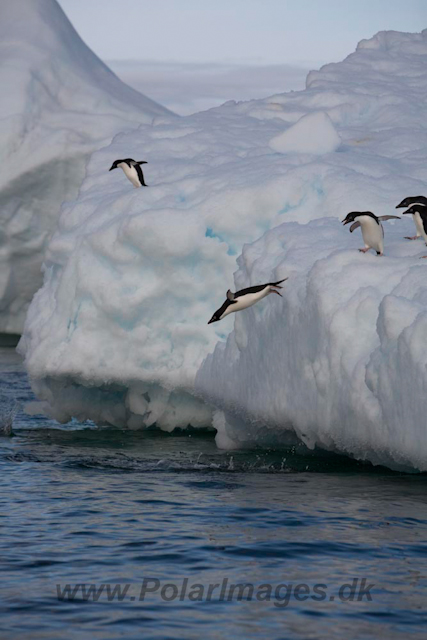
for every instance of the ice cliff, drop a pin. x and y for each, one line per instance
(59, 103)
(118, 333)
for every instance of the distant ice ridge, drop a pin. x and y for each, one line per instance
(118, 332)
(59, 103)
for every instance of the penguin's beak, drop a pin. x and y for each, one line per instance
(345, 221)
(213, 319)
(403, 212)
(112, 167)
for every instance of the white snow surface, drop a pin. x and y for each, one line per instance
(118, 333)
(313, 133)
(59, 103)
(341, 360)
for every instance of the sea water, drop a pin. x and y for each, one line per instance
(107, 534)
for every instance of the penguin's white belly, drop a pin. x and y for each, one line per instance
(248, 300)
(130, 173)
(419, 226)
(372, 234)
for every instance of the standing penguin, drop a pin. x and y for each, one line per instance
(420, 211)
(407, 202)
(372, 229)
(132, 170)
(245, 298)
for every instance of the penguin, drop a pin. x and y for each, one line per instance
(132, 170)
(372, 229)
(245, 298)
(420, 211)
(407, 202)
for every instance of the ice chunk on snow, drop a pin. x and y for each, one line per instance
(313, 133)
(119, 329)
(59, 103)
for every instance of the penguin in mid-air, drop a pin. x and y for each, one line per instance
(420, 211)
(407, 202)
(372, 229)
(132, 170)
(245, 298)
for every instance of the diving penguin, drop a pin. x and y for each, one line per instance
(420, 211)
(372, 229)
(407, 202)
(132, 170)
(245, 298)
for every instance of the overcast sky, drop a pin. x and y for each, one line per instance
(192, 55)
(301, 32)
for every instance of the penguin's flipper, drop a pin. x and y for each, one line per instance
(354, 226)
(277, 284)
(141, 162)
(140, 175)
(382, 218)
(230, 295)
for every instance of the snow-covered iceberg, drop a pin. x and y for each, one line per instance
(59, 103)
(342, 360)
(118, 332)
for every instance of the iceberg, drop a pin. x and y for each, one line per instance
(341, 361)
(59, 103)
(118, 332)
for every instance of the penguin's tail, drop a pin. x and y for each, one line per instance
(277, 284)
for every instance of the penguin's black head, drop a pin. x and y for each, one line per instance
(406, 202)
(215, 318)
(221, 312)
(417, 208)
(114, 165)
(350, 217)
(410, 210)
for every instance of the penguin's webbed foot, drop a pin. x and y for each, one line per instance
(364, 250)
(411, 237)
(279, 294)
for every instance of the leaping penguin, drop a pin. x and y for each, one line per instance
(245, 298)
(407, 202)
(420, 211)
(372, 229)
(132, 170)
